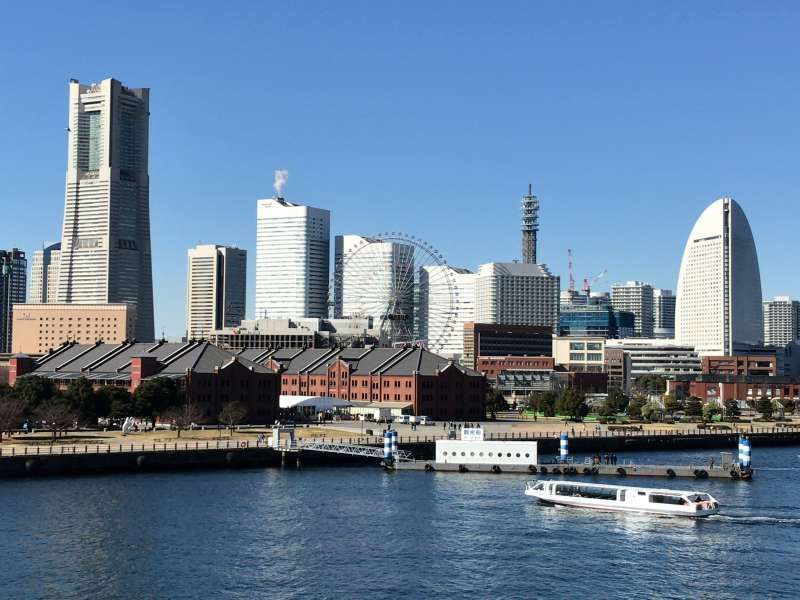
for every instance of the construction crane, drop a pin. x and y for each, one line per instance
(590, 281)
(571, 274)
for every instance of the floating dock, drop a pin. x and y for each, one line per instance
(628, 469)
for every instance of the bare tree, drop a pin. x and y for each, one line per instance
(183, 416)
(231, 415)
(56, 416)
(12, 411)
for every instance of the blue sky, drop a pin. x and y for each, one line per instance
(429, 118)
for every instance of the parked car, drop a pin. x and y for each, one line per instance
(423, 420)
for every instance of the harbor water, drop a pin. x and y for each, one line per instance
(363, 533)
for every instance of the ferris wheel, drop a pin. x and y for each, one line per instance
(399, 282)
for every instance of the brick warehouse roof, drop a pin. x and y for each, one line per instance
(364, 361)
(112, 362)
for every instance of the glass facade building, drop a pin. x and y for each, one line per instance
(595, 321)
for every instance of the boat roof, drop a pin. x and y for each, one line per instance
(622, 487)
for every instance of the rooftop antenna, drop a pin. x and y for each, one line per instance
(571, 274)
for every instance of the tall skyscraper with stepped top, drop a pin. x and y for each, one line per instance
(718, 308)
(105, 245)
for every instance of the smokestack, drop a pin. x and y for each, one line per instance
(281, 177)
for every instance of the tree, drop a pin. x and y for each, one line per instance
(34, 391)
(709, 410)
(694, 407)
(731, 409)
(607, 408)
(635, 406)
(155, 396)
(118, 400)
(618, 400)
(544, 402)
(83, 399)
(651, 411)
(572, 403)
(764, 406)
(495, 402)
(182, 416)
(12, 411)
(56, 415)
(672, 404)
(232, 414)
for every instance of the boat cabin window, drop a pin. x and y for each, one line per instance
(666, 499)
(586, 491)
(539, 485)
(699, 498)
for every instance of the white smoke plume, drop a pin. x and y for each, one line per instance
(281, 177)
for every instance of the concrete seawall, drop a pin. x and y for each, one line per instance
(98, 459)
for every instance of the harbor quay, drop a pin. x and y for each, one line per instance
(84, 452)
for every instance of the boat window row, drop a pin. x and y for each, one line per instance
(490, 454)
(666, 499)
(586, 491)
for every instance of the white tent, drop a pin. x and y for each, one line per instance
(312, 404)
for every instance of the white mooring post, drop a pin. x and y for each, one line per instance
(744, 453)
(564, 446)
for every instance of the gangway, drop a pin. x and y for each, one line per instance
(351, 449)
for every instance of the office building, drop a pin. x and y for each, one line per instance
(447, 303)
(718, 308)
(38, 328)
(105, 245)
(781, 321)
(216, 289)
(13, 287)
(657, 357)
(374, 279)
(43, 285)
(517, 294)
(583, 354)
(663, 314)
(635, 297)
(292, 260)
(487, 339)
(595, 321)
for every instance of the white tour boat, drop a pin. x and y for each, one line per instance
(623, 498)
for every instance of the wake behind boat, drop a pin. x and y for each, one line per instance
(623, 498)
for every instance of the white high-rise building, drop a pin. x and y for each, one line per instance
(43, 286)
(516, 294)
(292, 260)
(718, 308)
(216, 289)
(374, 279)
(635, 297)
(446, 302)
(663, 314)
(781, 321)
(105, 244)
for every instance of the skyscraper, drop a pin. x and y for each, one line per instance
(781, 321)
(13, 280)
(663, 313)
(635, 297)
(105, 245)
(718, 308)
(530, 226)
(446, 303)
(43, 286)
(292, 260)
(216, 289)
(516, 294)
